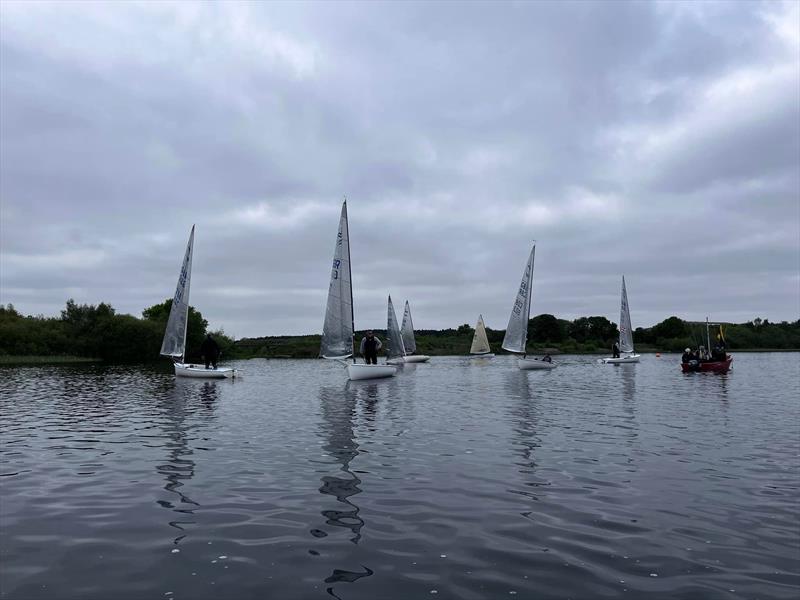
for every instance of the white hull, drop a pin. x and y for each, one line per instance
(487, 355)
(184, 370)
(630, 358)
(417, 358)
(395, 361)
(530, 364)
(358, 371)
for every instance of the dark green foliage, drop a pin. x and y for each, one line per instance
(546, 328)
(195, 331)
(90, 331)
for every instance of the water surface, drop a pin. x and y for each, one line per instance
(457, 479)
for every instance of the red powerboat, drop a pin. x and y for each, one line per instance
(710, 366)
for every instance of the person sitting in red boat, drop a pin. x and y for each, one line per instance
(688, 356)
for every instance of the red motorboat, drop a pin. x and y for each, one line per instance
(710, 366)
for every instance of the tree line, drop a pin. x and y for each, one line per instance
(98, 331)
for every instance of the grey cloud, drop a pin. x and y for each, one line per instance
(460, 133)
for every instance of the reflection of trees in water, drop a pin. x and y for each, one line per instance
(178, 404)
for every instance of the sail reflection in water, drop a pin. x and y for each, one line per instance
(179, 403)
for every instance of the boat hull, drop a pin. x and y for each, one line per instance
(416, 358)
(357, 372)
(708, 367)
(622, 360)
(534, 364)
(199, 372)
(487, 355)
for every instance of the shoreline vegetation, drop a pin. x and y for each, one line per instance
(85, 333)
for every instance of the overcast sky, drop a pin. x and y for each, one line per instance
(658, 140)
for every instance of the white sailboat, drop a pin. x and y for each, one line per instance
(480, 343)
(516, 337)
(339, 329)
(395, 349)
(409, 343)
(627, 354)
(174, 343)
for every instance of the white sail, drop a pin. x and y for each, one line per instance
(407, 329)
(394, 343)
(517, 331)
(337, 332)
(174, 343)
(480, 343)
(625, 330)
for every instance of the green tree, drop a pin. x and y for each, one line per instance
(546, 328)
(195, 329)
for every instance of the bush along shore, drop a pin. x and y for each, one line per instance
(90, 333)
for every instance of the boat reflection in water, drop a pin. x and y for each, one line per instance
(185, 399)
(339, 413)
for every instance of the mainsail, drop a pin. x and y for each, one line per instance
(625, 330)
(337, 332)
(517, 330)
(174, 343)
(394, 344)
(407, 329)
(480, 343)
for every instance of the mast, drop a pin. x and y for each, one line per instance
(350, 257)
(530, 294)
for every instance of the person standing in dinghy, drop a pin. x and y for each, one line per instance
(615, 350)
(369, 348)
(210, 351)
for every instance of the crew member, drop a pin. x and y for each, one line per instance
(369, 348)
(210, 351)
(615, 350)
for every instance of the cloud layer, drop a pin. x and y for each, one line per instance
(658, 140)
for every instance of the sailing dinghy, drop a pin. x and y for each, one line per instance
(174, 344)
(339, 329)
(627, 354)
(409, 343)
(516, 338)
(395, 350)
(480, 343)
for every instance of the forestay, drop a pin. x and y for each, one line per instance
(394, 344)
(625, 330)
(407, 329)
(337, 332)
(480, 343)
(174, 343)
(517, 331)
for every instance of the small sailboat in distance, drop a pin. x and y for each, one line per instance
(395, 350)
(409, 342)
(627, 354)
(516, 338)
(174, 343)
(480, 343)
(338, 332)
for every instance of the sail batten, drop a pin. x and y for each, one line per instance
(516, 337)
(407, 331)
(337, 332)
(394, 343)
(480, 343)
(174, 342)
(625, 329)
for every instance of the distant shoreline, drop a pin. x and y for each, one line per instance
(69, 360)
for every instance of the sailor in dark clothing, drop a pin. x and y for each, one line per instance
(547, 358)
(369, 348)
(210, 351)
(615, 350)
(687, 356)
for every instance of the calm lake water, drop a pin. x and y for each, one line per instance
(457, 479)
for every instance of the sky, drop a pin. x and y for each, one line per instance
(656, 140)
